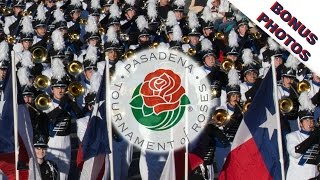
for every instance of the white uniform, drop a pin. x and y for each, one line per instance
(282, 92)
(8, 21)
(314, 88)
(59, 150)
(296, 171)
(244, 87)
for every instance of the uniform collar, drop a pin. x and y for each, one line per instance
(305, 132)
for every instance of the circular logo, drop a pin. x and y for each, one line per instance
(160, 99)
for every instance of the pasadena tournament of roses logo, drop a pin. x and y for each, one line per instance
(160, 99)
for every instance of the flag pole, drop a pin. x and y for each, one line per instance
(186, 156)
(15, 113)
(276, 105)
(108, 117)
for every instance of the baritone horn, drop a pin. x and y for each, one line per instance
(192, 51)
(303, 86)
(221, 117)
(286, 105)
(43, 102)
(39, 54)
(75, 89)
(185, 40)
(75, 68)
(41, 82)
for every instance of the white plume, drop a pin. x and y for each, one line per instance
(114, 11)
(206, 44)
(26, 60)
(292, 62)
(95, 4)
(130, 2)
(41, 15)
(58, 15)
(171, 20)
(177, 33)
(273, 45)
(305, 102)
(75, 2)
(57, 67)
(112, 35)
(152, 10)
(27, 25)
(233, 77)
(179, 2)
(92, 25)
(92, 54)
(262, 50)
(23, 75)
(58, 40)
(247, 56)
(233, 39)
(141, 22)
(4, 48)
(95, 82)
(207, 15)
(193, 20)
(47, 72)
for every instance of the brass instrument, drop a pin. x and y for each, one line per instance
(83, 21)
(221, 117)
(246, 105)
(39, 54)
(124, 37)
(6, 11)
(256, 35)
(228, 64)
(192, 52)
(303, 86)
(101, 31)
(162, 27)
(41, 82)
(185, 40)
(26, 13)
(75, 89)
(75, 68)
(154, 45)
(215, 92)
(286, 105)
(128, 54)
(219, 35)
(43, 102)
(74, 37)
(11, 39)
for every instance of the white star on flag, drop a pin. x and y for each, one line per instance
(270, 123)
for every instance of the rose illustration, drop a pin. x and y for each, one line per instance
(159, 102)
(162, 90)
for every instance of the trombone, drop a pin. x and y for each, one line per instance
(43, 102)
(75, 89)
(41, 82)
(221, 117)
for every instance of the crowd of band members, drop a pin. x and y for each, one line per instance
(233, 53)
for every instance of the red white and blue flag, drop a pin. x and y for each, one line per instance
(255, 150)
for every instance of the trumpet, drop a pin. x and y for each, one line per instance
(154, 45)
(185, 40)
(303, 86)
(43, 102)
(219, 35)
(128, 54)
(246, 105)
(11, 39)
(74, 37)
(83, 21)
(124, 37)
(192, 52)
(286, 105)
(75, 89)
(101, 31)
(75, 68)
(39, 54)
(42, 82)
(221, 117)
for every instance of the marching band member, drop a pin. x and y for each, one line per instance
(144, 40)
(303, 144)
(18, 7)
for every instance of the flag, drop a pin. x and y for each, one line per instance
(255, 149)
(27, 160)
(95, 143)
(168, 171)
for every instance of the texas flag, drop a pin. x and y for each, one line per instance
(255, 149)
